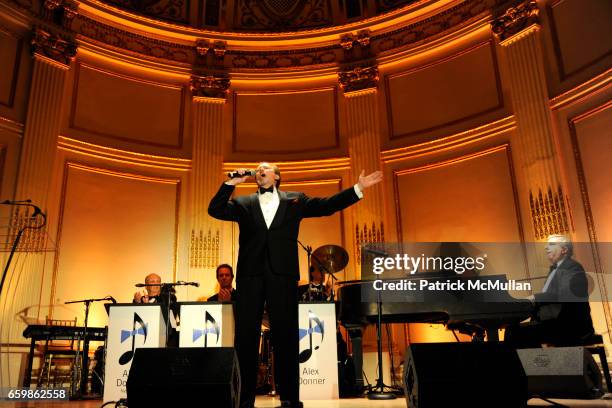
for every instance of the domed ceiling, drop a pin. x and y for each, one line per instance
(260, 15)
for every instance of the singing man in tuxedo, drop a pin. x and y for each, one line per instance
(225, 277)
(562, 313)
(268, 270)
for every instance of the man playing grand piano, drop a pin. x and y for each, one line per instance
(562, 313)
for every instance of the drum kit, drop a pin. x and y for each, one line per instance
(326, 260)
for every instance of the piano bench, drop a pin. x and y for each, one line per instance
(595, 345)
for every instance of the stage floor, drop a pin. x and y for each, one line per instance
(269, 402)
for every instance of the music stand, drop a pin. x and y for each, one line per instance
(378, 392)
(79, 391)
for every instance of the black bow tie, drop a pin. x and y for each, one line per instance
(266, 190)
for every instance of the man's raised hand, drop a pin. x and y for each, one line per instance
(370, 179)
(238, 180)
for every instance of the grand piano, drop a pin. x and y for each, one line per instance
(487, 310)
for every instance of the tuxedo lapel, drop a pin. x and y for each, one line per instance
(280, 212)
(257, 213)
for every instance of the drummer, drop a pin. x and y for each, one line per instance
(317, 290)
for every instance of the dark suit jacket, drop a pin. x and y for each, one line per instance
(279, 242)
(215, 297)
(567, 300)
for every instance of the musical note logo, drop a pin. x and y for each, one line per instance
(210, 327)
(318, 327)
(126, 334)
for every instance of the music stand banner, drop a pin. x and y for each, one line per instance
(318, 351)
(206, 324)
(129, 327)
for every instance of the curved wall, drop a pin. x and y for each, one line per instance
(467, 122)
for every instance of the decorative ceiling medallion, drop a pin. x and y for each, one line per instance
(282, 15)
(171, 10)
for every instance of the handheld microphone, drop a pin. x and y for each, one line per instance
(236, 174)
(140, 285)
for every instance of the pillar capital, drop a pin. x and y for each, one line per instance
(516, 19)
(53, 46)
(358, 78)
(210, 86)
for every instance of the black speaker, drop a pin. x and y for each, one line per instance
(464, 374)
(181, 377)
(561, 372)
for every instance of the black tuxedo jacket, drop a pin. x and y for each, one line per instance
(567, 300)
(215, 297)
(279, 242)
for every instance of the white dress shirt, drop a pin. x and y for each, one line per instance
(269, 203)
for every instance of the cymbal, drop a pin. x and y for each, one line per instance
(333, 258)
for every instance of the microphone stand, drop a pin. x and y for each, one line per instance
(169, 292)
(78, 392)
(378, 392)
(322, 267)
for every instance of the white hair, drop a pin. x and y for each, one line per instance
(562, 240)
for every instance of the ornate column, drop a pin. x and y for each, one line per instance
(52, 57)
(359, 83)
(28, 280)
(361, 99)
(518, 31)
(209, 97)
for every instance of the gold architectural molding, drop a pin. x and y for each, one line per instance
(210, 86)
(548, 212)
(72, 116)
(52, 46)
(451, 142)
(300, 166)
(300, 51)
(11, 126)
(579, 93)
(122, 156)
(204, 249)
(462, 158)
(499, 105)
(61, 12)
(588, 210)
(358, 78)
(365, 234)
(516, 19)
(336, 130)
(67, 165)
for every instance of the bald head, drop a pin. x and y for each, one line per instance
(153, 279)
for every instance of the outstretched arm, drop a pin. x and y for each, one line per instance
(318, 207)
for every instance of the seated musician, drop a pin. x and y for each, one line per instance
(225, 277)
(562, 314)
(316, 290)
(156, 293)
